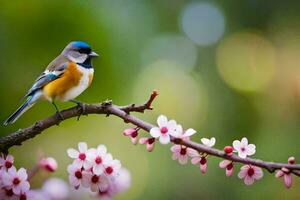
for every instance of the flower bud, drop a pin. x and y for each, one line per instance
(48, 164)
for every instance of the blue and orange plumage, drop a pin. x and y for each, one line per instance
(65, 78)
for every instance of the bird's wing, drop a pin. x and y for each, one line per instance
(54, 70)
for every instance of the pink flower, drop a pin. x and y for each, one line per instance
(16, 180)
(112, 166)
(286, 173)
(243, 148)
(287, 176)
(164, 130)
(48, 164)
(81, 155)
(202, 160)
(182, 153)
(209, 142)
(6, 163)
(97, 157)
(75, 175)
(94, 182)
(250, 173)
(149, 143)
(228, 165)
(184, 135)
(132, 133)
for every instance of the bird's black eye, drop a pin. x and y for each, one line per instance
(84, 50)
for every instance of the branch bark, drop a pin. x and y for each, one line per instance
(123, 112)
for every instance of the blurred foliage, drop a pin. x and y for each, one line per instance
(247, 83)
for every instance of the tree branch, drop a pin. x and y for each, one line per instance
(18, 137)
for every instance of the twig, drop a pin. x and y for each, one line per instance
(123, 112)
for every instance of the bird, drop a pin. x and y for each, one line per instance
(64, 79)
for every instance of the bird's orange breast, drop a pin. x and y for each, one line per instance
(59, 87)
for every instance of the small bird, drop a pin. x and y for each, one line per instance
(65, 78)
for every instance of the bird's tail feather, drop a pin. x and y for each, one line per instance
(20, 111)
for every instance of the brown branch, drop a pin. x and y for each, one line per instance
(123, 112)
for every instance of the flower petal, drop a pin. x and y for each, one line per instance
(224, 163)
(243, 173)
(203, 168)
(244, 141)
(248, 180)
(196, 160)
(73, 153)
(164, 139)
(143, 140)
(258, 173)
(155, 132)
(150, 147)
(229, 172)
(183, 159)
(287, 178)
(189, 132)
(176, 148)
(242, 154)
(22, 174)
(82, 146)
(251, 149)
(24, 186)
(279, 173)
(236, 145)
(175, 156)
(162, 121)
(172, 125)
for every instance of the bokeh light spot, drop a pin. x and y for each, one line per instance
(203, 23)
(170, 47)
(246, 61)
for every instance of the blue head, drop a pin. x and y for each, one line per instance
(79, 52)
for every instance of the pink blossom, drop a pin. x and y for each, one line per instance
(243, 148)
(184, 135)
(250, 173)
(16, 180)
(182, 153)
(286, 173)
(164, 130)
(48, 164)
(75, 175)
(6, 163)
(97, 157)
(81, 155)
(228, 165)
(132, 133)
(112, 166)
(287, 176)
(94, 182)
(149, 143)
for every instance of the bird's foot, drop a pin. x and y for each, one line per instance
(82, 109)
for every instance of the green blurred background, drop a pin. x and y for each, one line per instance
(227, 68)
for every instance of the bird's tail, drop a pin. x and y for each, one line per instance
(30, 101)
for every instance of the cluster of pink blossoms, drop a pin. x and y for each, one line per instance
(168, 129)
(14, 184)
(95, 169)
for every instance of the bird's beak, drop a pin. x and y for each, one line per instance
(93, 54)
